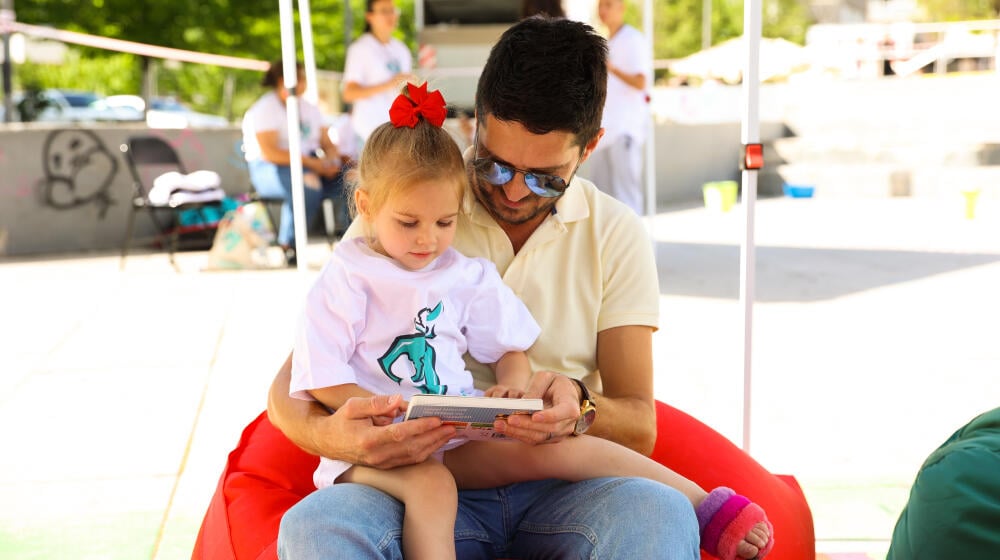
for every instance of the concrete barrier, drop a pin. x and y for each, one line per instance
(68, 189)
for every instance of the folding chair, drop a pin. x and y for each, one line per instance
(149, 156)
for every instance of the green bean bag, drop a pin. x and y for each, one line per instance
(954, 506)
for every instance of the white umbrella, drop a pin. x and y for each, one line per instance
(777, 58)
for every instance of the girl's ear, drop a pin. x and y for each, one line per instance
(362, 204)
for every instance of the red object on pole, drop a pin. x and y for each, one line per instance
(753, 156)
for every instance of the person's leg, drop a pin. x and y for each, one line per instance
(355, 520)
(430, 502)
(628, 184)
(333, 189)
(272, 180)
(557, 519)
(511, 462)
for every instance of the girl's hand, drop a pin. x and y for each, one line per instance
(502, 391)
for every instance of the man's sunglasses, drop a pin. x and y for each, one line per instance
(499, 174)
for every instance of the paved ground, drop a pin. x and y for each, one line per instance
(121, 392)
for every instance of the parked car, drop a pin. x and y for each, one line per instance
(66, 105)
(167, 112)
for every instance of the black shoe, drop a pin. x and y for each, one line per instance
(290, 258)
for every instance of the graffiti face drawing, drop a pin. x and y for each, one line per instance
(78, 170)
(419, 352)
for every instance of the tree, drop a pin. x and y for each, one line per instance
(959, 10)
(678, 23)
(243, 28)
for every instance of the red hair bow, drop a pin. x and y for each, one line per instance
(406, 111)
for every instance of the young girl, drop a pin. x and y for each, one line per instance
(395, 311)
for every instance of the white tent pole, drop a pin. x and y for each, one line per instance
(750, 134)
(647, 29)
(308, 52)
(291, 77)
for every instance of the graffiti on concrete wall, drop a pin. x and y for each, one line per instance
(79, 170)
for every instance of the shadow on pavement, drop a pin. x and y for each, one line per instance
(793, 274)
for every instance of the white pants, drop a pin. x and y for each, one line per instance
(616, 168)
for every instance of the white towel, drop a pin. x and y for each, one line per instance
(173, 184)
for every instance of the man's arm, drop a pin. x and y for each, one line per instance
(349, 434)
(626, 412)
(636, 81)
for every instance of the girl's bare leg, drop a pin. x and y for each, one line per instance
(430, 501)
(486, 464)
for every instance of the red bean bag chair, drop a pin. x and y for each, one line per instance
(266, 474)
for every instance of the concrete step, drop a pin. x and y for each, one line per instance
(879, 180)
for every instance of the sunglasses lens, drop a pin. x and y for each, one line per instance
(498, 174)
(547, 186)
(495, 173)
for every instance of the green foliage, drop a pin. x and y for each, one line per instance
(241, 28)
(108, 74)
(959, 10)
(678, 23)
(251, 29)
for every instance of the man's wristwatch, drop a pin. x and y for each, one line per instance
(588, 412)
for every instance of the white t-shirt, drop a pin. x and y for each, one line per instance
(269, 113)
(390, 330)
(370, 62)
(626, 111)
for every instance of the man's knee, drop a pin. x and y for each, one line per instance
(341, 513)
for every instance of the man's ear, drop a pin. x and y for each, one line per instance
(592, 145)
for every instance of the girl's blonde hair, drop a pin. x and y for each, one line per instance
(394, 159)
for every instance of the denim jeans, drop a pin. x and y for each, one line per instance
(599, 518)
(276, 181)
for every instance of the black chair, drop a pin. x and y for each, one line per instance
(148, 156)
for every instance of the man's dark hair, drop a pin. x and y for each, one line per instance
(547, 74)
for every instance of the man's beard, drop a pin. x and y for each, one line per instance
(485, 193)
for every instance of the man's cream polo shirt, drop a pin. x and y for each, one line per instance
(588, 267)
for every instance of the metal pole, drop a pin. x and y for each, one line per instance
(647, 27)
(706, 24)
(750, 134)
(288, 60)
(308, 52)
(7, 17)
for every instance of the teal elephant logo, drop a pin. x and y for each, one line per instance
(417, 349)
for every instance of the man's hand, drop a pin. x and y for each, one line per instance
(352, 434)
(557, 421)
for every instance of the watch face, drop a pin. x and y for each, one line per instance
(585, 420)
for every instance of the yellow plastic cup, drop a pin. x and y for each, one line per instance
(971, 196)
(720, 196)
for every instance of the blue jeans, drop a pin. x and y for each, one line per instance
(276, 181)
(599, 518)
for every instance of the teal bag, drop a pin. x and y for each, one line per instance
(207, 215)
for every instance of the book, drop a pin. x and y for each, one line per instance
(473, 417)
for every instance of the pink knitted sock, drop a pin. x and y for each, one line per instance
(725, 518)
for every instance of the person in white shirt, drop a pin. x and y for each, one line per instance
(377, 66)
(616, 166)
(394, 312)
(265, 146)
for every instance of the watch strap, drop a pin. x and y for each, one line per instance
(584, 393)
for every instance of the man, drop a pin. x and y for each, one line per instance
(584, 267)
(616, 167)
